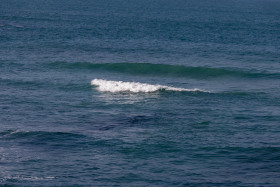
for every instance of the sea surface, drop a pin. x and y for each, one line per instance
(140, 93)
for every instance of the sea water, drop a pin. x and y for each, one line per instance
(140, 93)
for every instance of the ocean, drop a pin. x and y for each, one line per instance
(140, 93)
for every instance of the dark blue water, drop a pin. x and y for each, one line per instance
(140, 93)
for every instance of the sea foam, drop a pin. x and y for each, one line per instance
(135, 87)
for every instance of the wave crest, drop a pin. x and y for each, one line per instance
(166, 70)
(135, 87)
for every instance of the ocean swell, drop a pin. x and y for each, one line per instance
(148, 69)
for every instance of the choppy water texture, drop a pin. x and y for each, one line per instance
(140, 93)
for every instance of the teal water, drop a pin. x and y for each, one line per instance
(140, 93)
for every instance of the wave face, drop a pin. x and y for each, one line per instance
(135, 87)
(167, 70)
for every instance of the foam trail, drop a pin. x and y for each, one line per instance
(135, 87)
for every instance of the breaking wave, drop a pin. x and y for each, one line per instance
(135, 87)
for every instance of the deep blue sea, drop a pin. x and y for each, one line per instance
(140, 93)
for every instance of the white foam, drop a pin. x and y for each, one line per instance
(135, 87)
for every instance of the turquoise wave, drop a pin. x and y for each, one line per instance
(166, 70)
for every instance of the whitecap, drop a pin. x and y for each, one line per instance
(135, 87)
